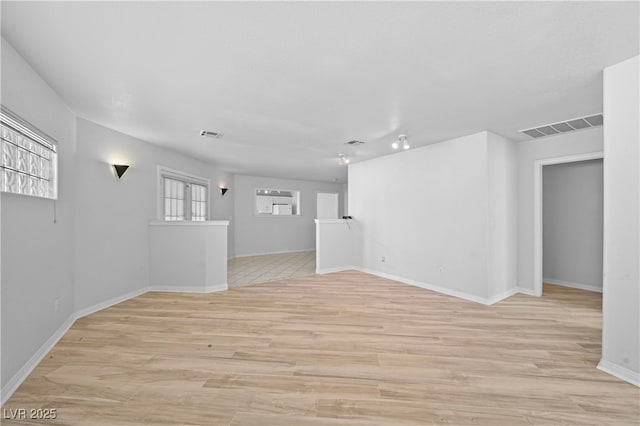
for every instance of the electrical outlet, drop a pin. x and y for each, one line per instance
(56, 304)
(383, 259)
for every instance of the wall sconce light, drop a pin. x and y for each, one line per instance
(223, 191)
(120, 169)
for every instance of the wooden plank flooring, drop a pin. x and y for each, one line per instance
(338, 349)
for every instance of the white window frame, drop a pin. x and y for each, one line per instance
(187, 178)
(18, 125)
(255, 202)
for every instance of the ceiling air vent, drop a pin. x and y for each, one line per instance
(565, 126)
(209, 134)
(354, 142)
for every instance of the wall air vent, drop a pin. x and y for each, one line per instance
(565, 126)
(354, 142)
(209, 134)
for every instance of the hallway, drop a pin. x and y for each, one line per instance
(243, 271)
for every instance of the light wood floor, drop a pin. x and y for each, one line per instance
(337, 349)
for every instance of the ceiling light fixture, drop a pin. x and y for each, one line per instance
(401, 142)
(210, 134)
(343, 159)
(405, 141)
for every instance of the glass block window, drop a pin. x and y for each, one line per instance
(28, 158)
(183, 197)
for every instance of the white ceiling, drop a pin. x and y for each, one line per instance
(289, 83)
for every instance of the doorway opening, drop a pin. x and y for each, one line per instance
(572, 221)
(568, 233)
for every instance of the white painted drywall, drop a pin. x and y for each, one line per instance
(275, 234)
(345, 202)
(37, 254)
(577, 142)
(97, 249)
(503, 215)
(426, 212)
(327, 205)
(112, 216)
(621, 298)
(336, 245)
(188, 256)
(441, 216)
(572, 224)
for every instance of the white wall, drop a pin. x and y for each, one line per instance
(503, 212)
(188, 256)
(336, 245)
(577, 142)
(112, 216)
(92, 244)
(426, 212)
(572, 224)
(621, 299)
(345, 199)
(37, 254)
(274, 234)
(327, 205)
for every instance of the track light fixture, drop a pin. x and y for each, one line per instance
(401, 142)
(343, 159)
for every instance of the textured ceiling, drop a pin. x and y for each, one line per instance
(289, 83)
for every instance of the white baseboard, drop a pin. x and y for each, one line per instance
(216, 287)
(579, 286)
(336, 269)
(107, 303)
(620, 372)
(179, 289)
(438, 289)
(501, 296)
(17, 379)
(527, 291)
(273, 252)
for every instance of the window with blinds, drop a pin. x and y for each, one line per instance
(29, 159)
(198, 202)
(173, 199)
(184, 197)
